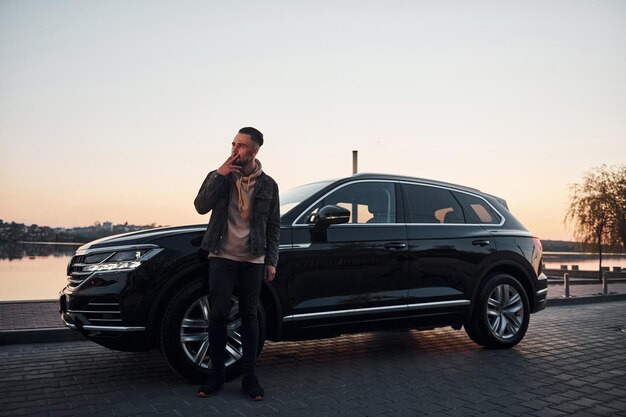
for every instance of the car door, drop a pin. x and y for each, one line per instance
(446, 252)
(353, 272)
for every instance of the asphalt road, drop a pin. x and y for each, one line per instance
(572, 362)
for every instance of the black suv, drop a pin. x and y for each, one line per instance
(363, 253)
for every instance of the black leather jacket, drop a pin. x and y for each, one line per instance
(214, 195)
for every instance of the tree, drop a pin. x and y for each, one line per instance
(597, 208)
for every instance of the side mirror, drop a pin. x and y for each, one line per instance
(332, 215)
(326, 216)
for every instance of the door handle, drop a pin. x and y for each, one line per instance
(480, 242)
(395, 246)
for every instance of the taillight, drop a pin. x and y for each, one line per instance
(538, 243)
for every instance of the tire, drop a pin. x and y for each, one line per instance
(185, 339)
(501, 314)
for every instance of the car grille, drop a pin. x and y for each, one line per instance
(74, 275)
(101, 311)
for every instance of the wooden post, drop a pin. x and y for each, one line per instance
(355, 162)
(605, 284)
(566, 283)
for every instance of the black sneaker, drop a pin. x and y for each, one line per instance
(250, 385)
(214, 382)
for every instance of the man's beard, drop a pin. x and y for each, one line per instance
(242, 162)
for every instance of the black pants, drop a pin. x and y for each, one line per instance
(224, 274)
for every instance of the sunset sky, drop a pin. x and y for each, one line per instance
(116, 110)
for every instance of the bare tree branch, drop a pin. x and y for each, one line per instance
(597, 208)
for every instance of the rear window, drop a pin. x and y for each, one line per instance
(431, 205)
(477, 210)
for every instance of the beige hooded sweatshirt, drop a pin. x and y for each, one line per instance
(236, 243)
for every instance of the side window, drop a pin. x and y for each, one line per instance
(431, 205)
(477, 210)
(368, 202)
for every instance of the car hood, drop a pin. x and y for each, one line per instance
(142, 236)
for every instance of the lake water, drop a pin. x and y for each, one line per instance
(585, 261)
(33, 271)
(38, 271)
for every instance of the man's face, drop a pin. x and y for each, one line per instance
(245, 148)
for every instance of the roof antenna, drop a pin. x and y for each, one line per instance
(355, 162)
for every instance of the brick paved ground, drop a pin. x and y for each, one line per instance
(572, 362)
(29, 315)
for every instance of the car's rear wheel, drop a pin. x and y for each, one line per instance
(501, 314)
(185, 337)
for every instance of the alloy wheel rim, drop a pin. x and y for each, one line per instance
(194, 333)
(505, 311)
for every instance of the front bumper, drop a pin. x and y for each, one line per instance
(100, 309)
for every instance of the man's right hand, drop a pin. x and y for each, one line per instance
(229, 166)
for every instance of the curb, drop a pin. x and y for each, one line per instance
(41, 335)
(588, 299)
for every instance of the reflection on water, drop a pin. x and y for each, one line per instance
(584, 261)
(33, 271)
(21, 250)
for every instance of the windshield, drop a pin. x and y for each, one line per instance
(294, 196)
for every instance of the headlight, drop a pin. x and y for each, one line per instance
(111, 266)
(118, 260)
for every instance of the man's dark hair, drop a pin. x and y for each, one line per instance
(255, 135)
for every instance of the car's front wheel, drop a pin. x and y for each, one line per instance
(501, 313)
(185, 337)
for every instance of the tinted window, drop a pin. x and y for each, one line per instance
(368, 202)
(431, 205)
(294, 196)
(477, 210)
